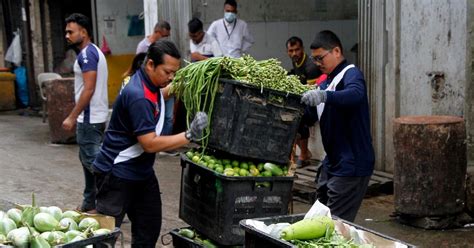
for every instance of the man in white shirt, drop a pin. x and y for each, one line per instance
(201, 45)
(92, 106)
(231, 33)
(161, 30)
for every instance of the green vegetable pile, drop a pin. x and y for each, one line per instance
(197, 83)
(196, 237)
(266, 74)
(44, 227)
(236, 168)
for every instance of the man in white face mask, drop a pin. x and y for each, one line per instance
(231, 33)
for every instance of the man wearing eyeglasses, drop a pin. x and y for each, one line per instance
(343, 112)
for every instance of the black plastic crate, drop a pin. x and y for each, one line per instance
(255, 123)
(101, 241)
(179, 241)
(255, 238)
(213, 204)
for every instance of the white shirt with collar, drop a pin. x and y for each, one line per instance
(207, 47)
(233, 38)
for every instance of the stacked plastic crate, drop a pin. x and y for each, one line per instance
(247, 123)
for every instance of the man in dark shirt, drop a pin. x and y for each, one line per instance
(343, 112)
(125, 177)
(308, 73)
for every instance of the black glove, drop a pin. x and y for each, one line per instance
(196, 129)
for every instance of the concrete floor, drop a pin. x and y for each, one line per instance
(29, 163)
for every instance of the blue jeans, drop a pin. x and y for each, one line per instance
(89, 138)
(168, 125)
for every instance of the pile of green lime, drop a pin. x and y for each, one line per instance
(236, 168)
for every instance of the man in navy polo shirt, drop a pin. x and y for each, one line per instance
(125, 177)
(343, 112)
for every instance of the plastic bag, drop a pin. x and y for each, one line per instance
(13, 54)
(22, 85)
(105, 46)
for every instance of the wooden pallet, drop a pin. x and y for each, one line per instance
(304, 186)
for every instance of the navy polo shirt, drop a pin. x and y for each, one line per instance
(135, 113)
(345, 125)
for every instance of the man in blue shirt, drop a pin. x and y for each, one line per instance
(343, 112)
(126, 180)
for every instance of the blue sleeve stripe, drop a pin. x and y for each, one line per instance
(88, 59)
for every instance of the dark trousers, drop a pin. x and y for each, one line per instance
(89, 138)
(343, 195)
(140, 200)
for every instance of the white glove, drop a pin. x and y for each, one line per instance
(314, 97)
(196, 129)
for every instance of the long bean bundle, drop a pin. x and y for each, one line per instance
(196, 84)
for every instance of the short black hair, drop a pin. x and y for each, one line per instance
(82, 21)
(163, 25)
(293, 40)
(195, 25)
(158, 49)
(327, 40)
(232, 3)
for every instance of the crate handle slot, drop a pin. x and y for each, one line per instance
(254, 99)
(263, 186)
(285, 116)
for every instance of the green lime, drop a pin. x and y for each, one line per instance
(235, 163)
(211, 166)
(244, 165)
(260, 166)
(220, 170)
(229, 172)
(189, 154)
(243, 172)
(266, 173)
(196, 158)
(254, 172)
(236, 170)
(228, 166)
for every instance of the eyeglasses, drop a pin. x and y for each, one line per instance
(320, 58)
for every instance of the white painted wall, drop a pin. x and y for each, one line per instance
(150, 14)
(113, 23)
(433, 37)
(272, 22)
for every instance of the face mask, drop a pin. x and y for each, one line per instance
(229, 17)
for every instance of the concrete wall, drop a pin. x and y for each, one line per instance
(113, 18)
(423, 65)
(432, 57)
(3, 45)
(469, 92)
(113, 22)
(272, 22)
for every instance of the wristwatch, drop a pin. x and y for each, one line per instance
(188, 135)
